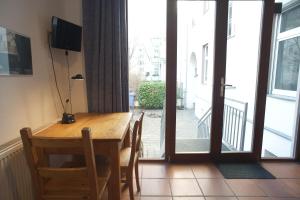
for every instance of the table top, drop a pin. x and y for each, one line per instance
(106, 127)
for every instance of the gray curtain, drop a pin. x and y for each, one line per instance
(105, 39)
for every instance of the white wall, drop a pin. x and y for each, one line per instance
(191, 39)
(32, 100)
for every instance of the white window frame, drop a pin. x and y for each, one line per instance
(205, 6)
(205, 61)
(279, 37)
(230, 22)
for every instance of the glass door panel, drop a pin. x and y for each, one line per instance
(195, 47)
(282, 103)
(239, 85)
(147, 71)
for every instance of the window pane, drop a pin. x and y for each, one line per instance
(230, 23)
(288, 64)
(147, 71)
(195, 46)
(204, 63)
(290, 19)
(230, 11)
(281, 113)
(241, 75)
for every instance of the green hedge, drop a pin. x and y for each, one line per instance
(151, 94)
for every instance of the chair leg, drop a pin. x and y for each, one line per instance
(109, 188)
(137, 176)
(130, 184)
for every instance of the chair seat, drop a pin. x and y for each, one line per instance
(103, 170)
(125, 157)
(76, 188)
(72, 186)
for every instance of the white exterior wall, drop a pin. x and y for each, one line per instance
(191, 40)
(241, 70)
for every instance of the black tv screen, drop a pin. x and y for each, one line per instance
(65, 35)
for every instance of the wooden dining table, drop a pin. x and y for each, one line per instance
(110, 132)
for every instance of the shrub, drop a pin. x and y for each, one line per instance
(151, 94)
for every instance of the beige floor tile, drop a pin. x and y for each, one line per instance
(283, 169)
(283, 198)
(214, 187)
(125, 191)
(244, 187)
(206, 170)
(151, 170)
(155, 187)
(128, 198)
(163, 180)
(180, 171)
(221, 198)
(188, 198)
(156, 198)
(294, 185)
(254, 198)
(185, 187)
(274, 188)
(140, 171)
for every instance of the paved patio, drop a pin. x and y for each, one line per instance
(151, 132)
(186, 130)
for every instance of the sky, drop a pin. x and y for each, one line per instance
(147, 18)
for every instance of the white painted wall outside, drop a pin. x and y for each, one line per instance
(241, 70)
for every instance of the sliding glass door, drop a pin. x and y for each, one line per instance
(239, 85)
(211, 88)
(195, 47)
(217, 58)
(147, 72)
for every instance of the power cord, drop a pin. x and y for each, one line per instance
(53, 68)
(70, 95)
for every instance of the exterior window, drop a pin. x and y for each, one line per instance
(288, 61)
(204, 63)
(230, 28)
(287, 54)
(156, 70)
(205, 6)
(290, 19)
(193, 64)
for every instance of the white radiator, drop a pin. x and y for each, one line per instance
(15, 180)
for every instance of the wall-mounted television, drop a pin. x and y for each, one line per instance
(65, 35)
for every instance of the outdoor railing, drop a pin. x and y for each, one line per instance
(162, 130)
(234, 125)
(204, 125)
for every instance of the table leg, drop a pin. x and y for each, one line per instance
(126, 142)
(114, 188)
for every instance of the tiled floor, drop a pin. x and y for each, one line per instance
(161, 181)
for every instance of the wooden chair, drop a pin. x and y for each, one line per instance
(72, 180)
(139, 142)
(129, 157)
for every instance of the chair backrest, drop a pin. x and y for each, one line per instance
(136, 140)
(34, 148)
(139, 137)
(133, 153)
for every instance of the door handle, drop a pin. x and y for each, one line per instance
(227, 85)
(223, 86)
